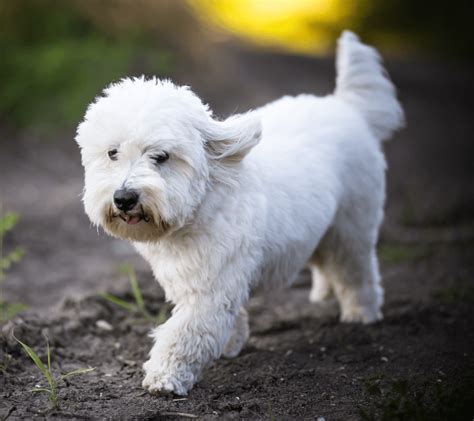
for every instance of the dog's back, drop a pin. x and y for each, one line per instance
(322, 168)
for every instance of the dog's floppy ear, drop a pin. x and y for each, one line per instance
(227, 142)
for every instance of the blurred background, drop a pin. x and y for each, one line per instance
(57, 55)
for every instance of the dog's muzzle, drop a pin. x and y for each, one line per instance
(126, 202)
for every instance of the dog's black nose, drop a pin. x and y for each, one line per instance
(125, 199)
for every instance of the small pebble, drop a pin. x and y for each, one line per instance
(103, 325)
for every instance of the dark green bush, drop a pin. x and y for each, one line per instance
(54, 61)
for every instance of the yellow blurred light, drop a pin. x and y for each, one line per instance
(301, 26)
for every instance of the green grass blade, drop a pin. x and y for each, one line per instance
(118, 301)
(76, 372)
(14, 257)
(32, 354)
(49, 354)
(8, 221)
(137, 294)
(125, 269)
(162, 315)
(129, 272)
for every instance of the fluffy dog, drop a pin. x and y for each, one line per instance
(215, 206)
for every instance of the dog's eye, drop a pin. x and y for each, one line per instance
(160, 158)
(112, 154)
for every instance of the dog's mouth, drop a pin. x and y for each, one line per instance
(133, 217)
(137, 224)
(130, 219)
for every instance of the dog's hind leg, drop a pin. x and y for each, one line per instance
(357, 287)
(349, 265)
(240, 334)
(321, 289)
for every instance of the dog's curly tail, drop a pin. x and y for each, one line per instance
(363, 82)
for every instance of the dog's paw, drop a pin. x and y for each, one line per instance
(158, 380)
(365, 315)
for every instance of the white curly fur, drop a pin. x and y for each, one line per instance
(252, 198)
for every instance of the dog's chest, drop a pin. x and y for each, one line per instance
(180, 268)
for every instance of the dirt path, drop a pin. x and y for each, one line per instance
(300, 362)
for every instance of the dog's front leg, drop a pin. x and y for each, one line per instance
(191, 339)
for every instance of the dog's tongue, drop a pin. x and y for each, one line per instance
(131, 220)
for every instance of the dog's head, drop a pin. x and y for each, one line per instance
(151, 150)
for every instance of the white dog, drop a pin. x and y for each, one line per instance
(215, 206)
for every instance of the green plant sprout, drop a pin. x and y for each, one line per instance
(7, 223)
(138, 306)
(53, 382)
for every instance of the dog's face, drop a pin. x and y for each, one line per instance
(151, 150)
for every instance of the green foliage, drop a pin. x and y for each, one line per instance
(52, 388)
(452, 295)
(432, 401)
(398, 404)
(6, 261)
(7, 223)
(10, 310)
(400, 253)
(137, 307)
(55, 61)
(372, 385)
